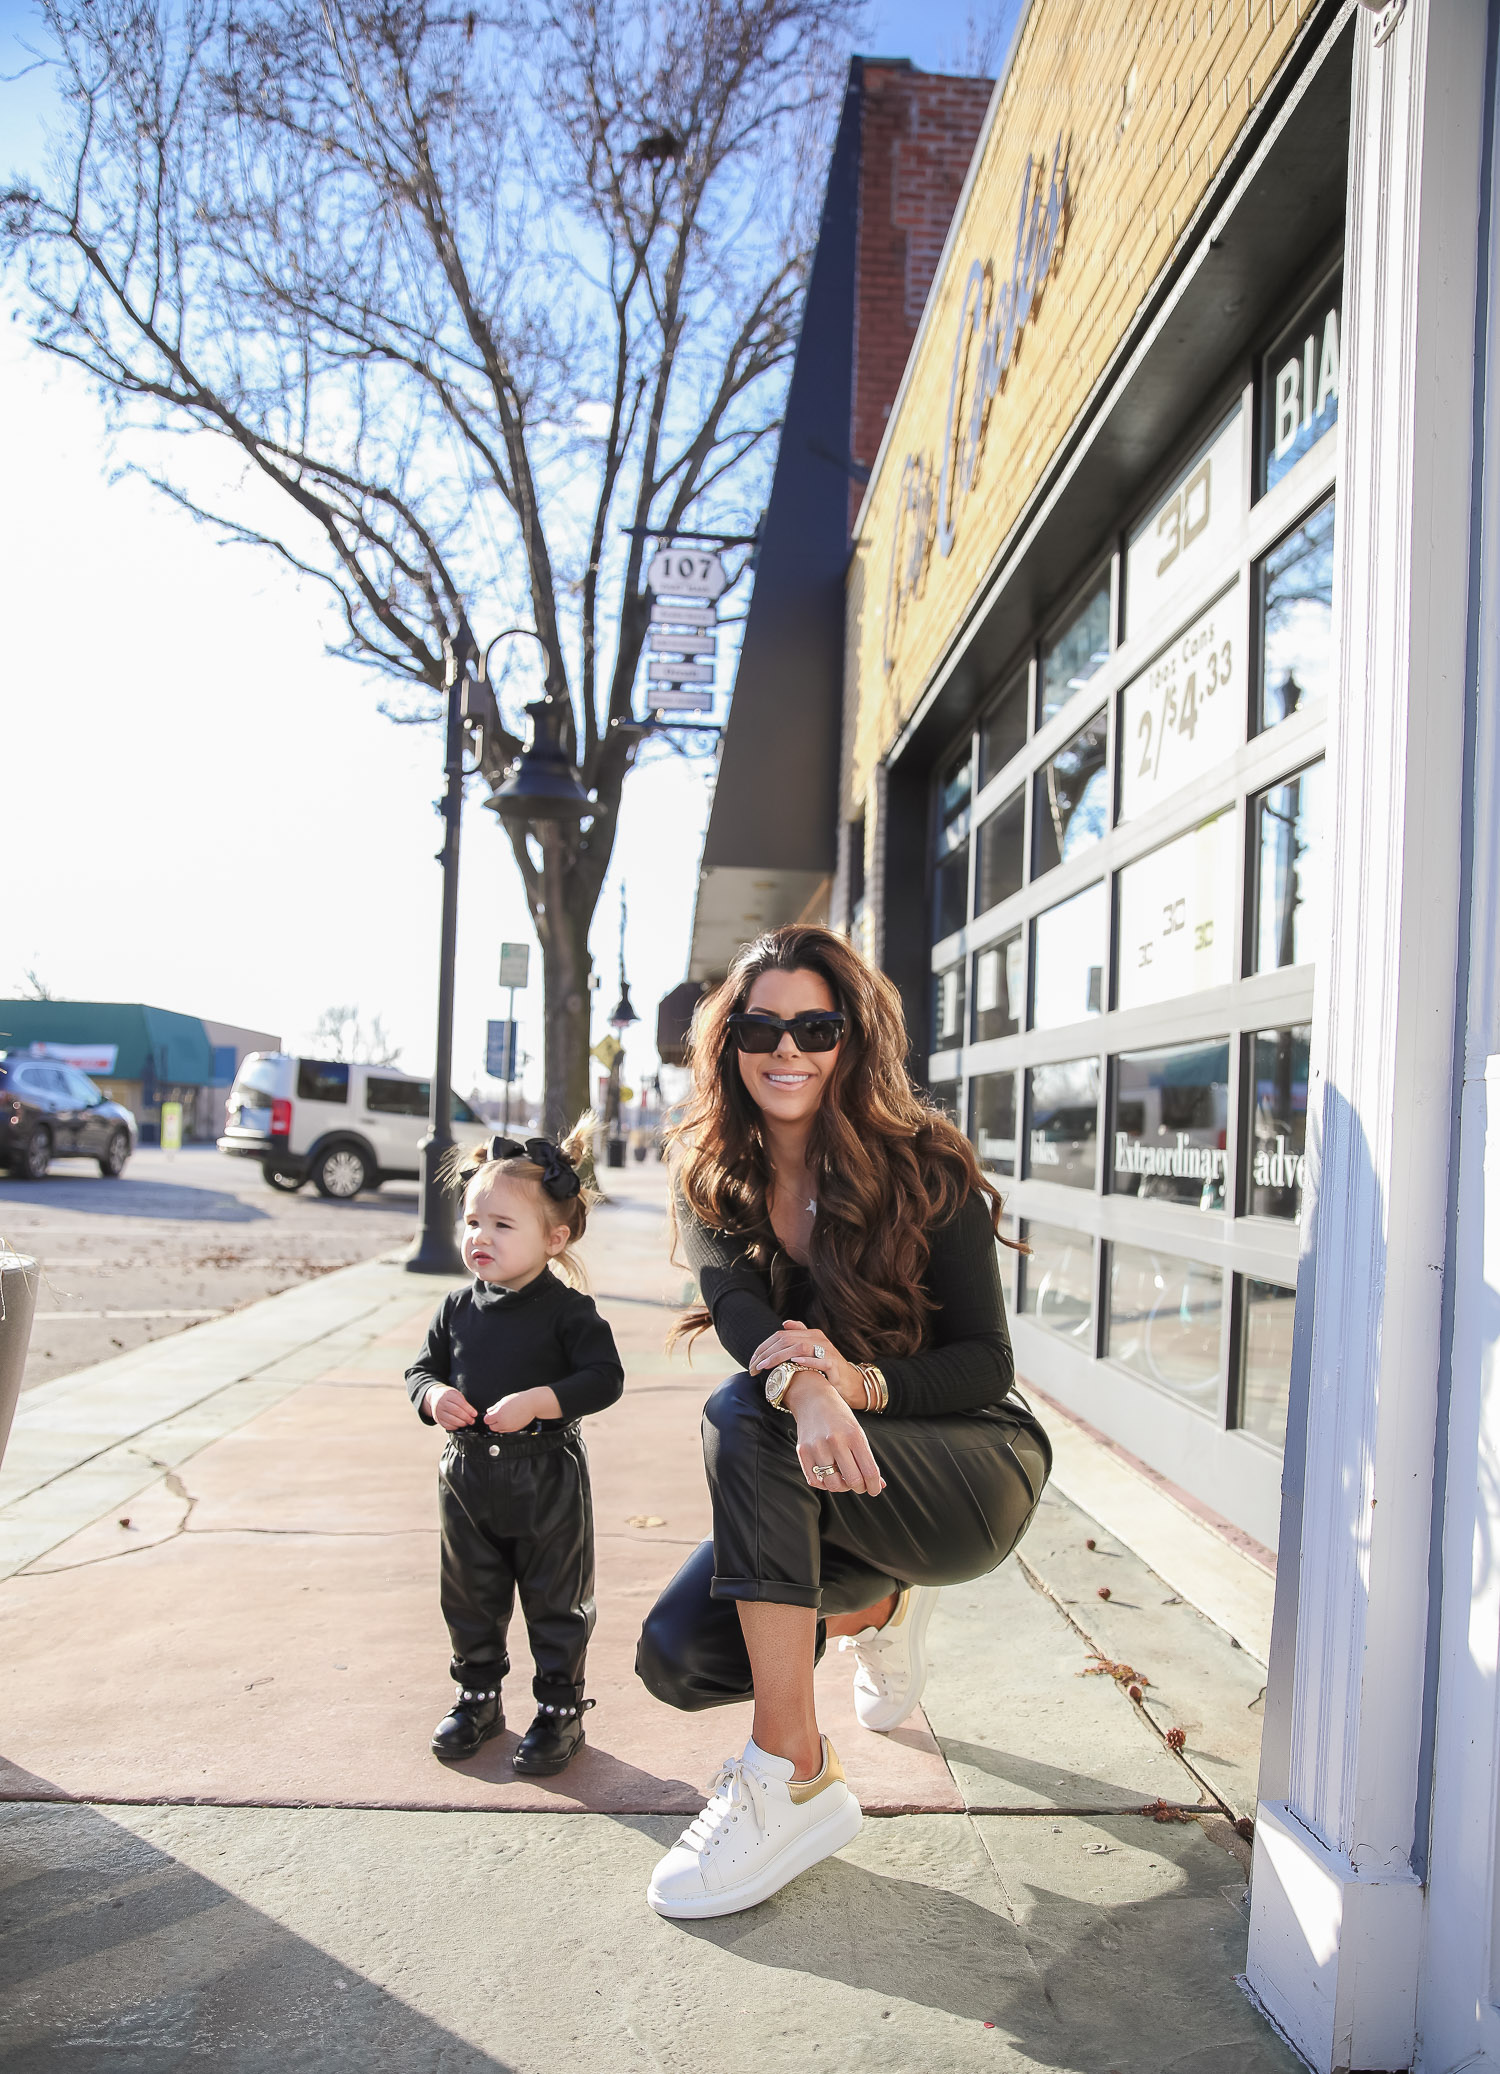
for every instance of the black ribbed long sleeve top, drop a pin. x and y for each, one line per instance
(965, 1362)
(487, 1342)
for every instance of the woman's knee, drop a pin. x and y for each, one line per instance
(691, 1653)
(733, 1419)
(659, 1661)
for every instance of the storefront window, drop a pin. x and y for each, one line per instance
(1071, 810)
(1299, 385)
(1296, 606)
(1057, 1282)
(1164, 1318)
(951, 889)
(1266, 1314)
(1287, 824)
(947, 1094)
(1002, 730)
(1067, 959)
(992, 1120)
(948, 1008)
(999, 988)
(1177, 916)
(1077, 651)
(1171, 1118)
(1188, 533)
(1186, 714)
(1062, 1123)
(1278, 1158)
(1002, 844)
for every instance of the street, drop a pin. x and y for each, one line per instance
(177, 1239)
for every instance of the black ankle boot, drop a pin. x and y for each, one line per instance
(552, 1741)
(473, 1718)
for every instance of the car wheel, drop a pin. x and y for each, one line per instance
(341, 1172)
(282, 1178)
(36, 1154)
(116, 1152)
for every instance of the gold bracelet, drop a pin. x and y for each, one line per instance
(877, 1389)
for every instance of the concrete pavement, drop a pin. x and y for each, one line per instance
(221, 1833)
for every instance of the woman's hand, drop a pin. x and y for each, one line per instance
(829, 1436)
(450, 1408)
(798, 1342)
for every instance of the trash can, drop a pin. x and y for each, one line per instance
(614, 1152)
(18, 1278)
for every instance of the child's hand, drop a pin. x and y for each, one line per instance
(510, 1414)
(451, 1409)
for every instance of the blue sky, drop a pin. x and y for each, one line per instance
(215, 817)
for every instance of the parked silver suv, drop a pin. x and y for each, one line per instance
(346, 1127)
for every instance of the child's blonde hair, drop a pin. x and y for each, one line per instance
(553, 1172)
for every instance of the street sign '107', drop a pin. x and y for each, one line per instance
(679, 572)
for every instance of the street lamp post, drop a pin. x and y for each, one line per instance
(619, 1022)
(436, 1250)
(533, 791)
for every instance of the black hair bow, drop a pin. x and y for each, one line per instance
(559, 1177)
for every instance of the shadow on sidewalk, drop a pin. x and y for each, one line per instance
(113, 1955)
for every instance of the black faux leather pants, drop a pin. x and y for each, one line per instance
(514, 1512)
(960, 1492)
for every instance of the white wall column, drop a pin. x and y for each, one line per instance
(1458, 2008)
(1336, 1907)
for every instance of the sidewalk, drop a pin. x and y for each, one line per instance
(221, 1832)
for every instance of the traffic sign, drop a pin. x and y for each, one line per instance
(500, 1050)
(685, 573)
(515, 963)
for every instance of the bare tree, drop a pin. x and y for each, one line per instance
(467, 296)
(342, 1033)
(34, 987)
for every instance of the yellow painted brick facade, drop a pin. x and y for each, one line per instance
(1147, 99)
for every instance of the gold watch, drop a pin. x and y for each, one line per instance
(778, 1382)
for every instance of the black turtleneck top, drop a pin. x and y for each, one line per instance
(487, 1342)
(964, 1363)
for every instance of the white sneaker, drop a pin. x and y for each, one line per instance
(760, 1829)
(892, 1660)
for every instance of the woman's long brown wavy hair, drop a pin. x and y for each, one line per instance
(889, 1167)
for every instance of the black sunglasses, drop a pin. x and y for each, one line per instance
(819, 1031)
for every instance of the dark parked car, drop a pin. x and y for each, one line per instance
(51, 1111)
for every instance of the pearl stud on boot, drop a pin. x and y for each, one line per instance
(472, 1719)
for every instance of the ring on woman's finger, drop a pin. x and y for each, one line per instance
(824, 1469)
(817, 1352)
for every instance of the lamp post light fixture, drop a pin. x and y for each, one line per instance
(469, 698)
(541, 785)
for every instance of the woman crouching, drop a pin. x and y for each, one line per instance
(844, 1241)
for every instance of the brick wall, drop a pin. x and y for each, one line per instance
(1148, 96)
(917, 136)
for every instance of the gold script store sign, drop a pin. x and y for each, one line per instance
(992, 315)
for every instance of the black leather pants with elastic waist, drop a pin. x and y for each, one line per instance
(960, 1492)
(515, 1514)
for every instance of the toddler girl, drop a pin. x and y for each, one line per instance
(511, 1364)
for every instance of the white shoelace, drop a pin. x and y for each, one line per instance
(737, 1786)
(869, 1654)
